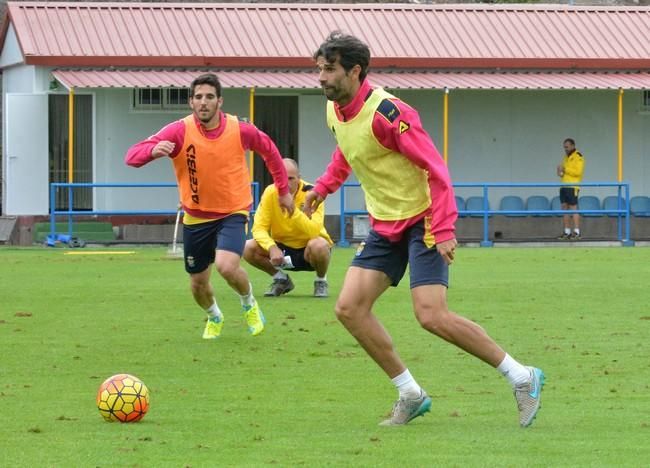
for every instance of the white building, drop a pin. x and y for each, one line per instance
(519, 79)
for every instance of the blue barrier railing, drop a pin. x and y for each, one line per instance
(71, 212)
(622, 212)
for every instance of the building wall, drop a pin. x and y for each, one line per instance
(516, 136)
(494, 136)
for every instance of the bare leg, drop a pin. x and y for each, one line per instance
(258, 257)
(566, 218)
(228, 266)
(201, 287)
(430, 303)
(576, 217)
(317, 254)
(361, 288)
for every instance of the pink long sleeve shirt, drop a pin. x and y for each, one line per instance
(251, 139)
(415, 145)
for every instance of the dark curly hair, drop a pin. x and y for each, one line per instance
(349, 49)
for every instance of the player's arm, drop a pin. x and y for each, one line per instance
(402, 132)
(256, 140)
(310, 227)
(336, 173)
(575, 168)
(167, 142)
(262, 222)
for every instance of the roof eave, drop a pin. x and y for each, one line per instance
(381, 62)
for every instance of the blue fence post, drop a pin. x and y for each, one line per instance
(485, 242)
(627, 242)
(70, 209)
(342, 240)
(52, 211)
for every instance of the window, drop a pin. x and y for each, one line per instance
(160, 99)
(645, 101)
(177, 97)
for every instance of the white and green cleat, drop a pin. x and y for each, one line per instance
(529, 395)
(406, 410)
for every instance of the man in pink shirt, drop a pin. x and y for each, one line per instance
(207, 151)
(412, 210)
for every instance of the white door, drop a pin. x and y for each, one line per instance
(26, 151)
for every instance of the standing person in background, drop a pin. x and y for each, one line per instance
(207, 150)
(570, 170)
(412, 210)
(277, 236)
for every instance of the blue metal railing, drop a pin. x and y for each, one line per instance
(486, 212)
(70, 212)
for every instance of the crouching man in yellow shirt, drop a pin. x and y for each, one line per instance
(296, 242)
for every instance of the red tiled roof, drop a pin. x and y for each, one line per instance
(387, 79)
(285, 35)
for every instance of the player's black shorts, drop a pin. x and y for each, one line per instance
(201, 240)
(426, 265)
(569, 195)
(297, 258)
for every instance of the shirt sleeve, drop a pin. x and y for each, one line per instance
(262, 222)
(575, 168)
(309, 227)
(256, 140)
(405, 135)
(140, 154)
(336, 173)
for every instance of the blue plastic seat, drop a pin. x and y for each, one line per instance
(611, 203)
(589, 202)
(475, 203)
(512, 203)
(640, 206)
(460, 205)
(556, 205)
(538, 202)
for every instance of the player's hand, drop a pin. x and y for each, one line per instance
(276, 256)
(163, 148)
(312, 202)
(447, 250)
(560, 170)
(286, 203)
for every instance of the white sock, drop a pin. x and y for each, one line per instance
(407, 386)
(214, 311)
(577, 231)
(247, 299)
(319, 278)
(567, 231)
(513, 371)
(280, 275)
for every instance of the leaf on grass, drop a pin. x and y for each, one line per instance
(23, 314)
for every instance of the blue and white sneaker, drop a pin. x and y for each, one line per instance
(406, 410)
(528, 396)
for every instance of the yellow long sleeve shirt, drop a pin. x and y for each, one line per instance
(573, 166)
(272, 225)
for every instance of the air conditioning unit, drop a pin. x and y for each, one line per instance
(360, 226)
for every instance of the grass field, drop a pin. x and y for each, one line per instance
(304, 393)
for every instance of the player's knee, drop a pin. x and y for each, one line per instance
(318, 248)
(198, 285)
(344, 311)
(227, 270)
(433, 318)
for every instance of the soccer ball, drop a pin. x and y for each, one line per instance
(123, 398)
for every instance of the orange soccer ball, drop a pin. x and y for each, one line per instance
(123, 398)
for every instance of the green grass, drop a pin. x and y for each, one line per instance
(304, 393)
